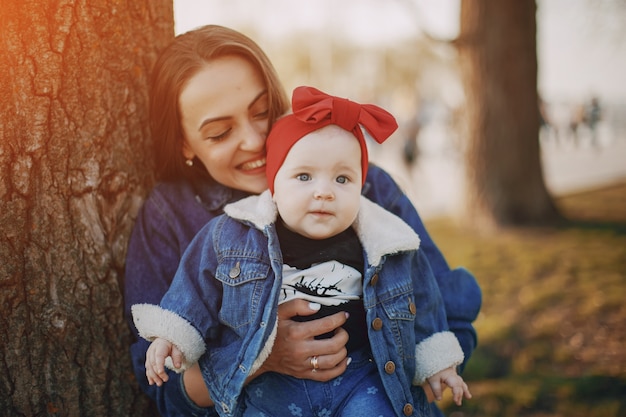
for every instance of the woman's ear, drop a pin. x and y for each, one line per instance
(187, 152)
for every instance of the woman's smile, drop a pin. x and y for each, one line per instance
(253, 164)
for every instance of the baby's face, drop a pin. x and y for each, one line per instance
(318, 187)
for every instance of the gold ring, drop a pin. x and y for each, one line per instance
(314, 364)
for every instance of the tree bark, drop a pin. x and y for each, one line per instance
(75, 163)
(497, 51)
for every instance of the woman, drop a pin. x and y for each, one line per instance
(214, 97)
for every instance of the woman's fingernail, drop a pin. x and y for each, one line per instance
(349, 361)
(315, 306)
(347, 315)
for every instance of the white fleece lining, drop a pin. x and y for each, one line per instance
(153, 321)
(380, 231)
(436, 353)
(260, 210)
(265, 352)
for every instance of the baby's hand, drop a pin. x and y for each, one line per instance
(156, 354)
(449, 377)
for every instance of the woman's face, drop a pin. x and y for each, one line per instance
(224, 117)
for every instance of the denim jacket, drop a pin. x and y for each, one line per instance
(174, 212)
(238, 257)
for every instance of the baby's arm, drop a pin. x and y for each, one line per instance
(450, 378)
(156, 354)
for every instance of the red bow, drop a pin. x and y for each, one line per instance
(313, 110)
(311, 105)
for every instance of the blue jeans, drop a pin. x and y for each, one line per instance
(357, 392)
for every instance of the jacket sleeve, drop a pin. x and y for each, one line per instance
(436, 348)
(154, 321)
(461, 294)
(152, 258)
(187, 311)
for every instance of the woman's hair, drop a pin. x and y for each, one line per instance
(181, 60)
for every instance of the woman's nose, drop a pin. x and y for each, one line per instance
(253, 138)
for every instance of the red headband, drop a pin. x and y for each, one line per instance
(313, 110)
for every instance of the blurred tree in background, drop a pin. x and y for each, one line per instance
(498, 60)
(495, 64)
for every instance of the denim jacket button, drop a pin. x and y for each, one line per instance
(390, 367)
(235, 271)
(377, 324)
(412, 307)
(374, 280)
(407, 409)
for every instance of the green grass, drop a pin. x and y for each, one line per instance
(552, 329)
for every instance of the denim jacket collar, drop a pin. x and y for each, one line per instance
(380, 231)
(214, 196)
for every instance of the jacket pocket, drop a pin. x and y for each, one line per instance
(398, 313)
(244, 281)
(401, 307)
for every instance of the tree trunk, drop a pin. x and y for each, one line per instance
(75, 163)
(497, 50)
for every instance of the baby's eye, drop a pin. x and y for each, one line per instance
(303, 177)
(342, 179)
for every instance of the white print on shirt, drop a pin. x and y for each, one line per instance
(328, 283)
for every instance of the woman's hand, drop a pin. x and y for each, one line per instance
(295, 345)
(293, 350)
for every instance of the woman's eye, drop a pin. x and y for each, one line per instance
(262, 115)
(219, 137)
(303, 177)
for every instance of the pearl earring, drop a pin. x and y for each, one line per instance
(189, 162)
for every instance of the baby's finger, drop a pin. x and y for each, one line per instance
(151, 379)
(158, 360)
(177, 357)
(457, 394)
(459, 391)
(159, 371)
(466, 391)
(158, 366)
(149, 369)
(154, 378)
(155, 371)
